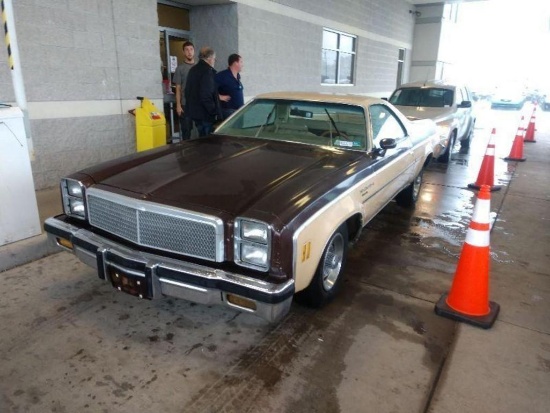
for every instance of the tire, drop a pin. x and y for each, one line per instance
(446, 156)
(327, 280)
(407, 197)
(465, 143)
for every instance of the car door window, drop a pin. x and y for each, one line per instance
(384, 124)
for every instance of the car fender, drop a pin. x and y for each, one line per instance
(366, 197)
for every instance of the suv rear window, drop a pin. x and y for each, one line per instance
(427, 97)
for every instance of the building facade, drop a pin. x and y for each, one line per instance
(84, 62)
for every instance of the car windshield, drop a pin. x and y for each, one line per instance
(314, 123)
(425, 97)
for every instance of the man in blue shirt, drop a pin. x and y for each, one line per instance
(229, 84)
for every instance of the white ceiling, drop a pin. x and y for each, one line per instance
(210, 2)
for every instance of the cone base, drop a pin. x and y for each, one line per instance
(486, 321)
(515, 159)
(478, 187)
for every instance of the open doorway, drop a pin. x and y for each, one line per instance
(174, 30)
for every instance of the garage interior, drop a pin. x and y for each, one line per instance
(73, 345)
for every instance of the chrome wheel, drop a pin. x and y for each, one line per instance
(332, 263)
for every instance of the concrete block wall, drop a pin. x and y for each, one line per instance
(389, 18)
(88, 49)
(279, 54)
(66, 145)
(83, 62)
(216, 26)
(282, 47)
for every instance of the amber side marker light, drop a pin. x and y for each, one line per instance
(241, 302)
(65, 243)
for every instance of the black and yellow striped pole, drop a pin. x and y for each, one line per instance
(6, 34)
(10, 36)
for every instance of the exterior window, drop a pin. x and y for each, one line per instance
(400, 64)
(338, 58)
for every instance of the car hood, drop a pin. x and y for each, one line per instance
(228, 174)
(421, 112)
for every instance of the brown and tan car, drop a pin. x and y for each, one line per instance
(263, 209)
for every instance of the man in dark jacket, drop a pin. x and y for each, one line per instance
(201, 94)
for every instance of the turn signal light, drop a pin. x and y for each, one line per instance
(241, 302)
(65, 243)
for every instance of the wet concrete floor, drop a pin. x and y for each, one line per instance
(71, 343)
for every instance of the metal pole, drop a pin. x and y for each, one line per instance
(15, 67)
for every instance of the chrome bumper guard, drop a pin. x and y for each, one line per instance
(170, 277)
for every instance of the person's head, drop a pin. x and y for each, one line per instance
(188, 51)
(208, 55)
(235, 62)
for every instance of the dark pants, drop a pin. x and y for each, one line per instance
(204, 127)
(227, 113)
(186, 126)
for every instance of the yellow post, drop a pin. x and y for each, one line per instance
(150, 126)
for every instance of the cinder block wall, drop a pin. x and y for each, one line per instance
(281, 41)
(216, 26)
(84, 62)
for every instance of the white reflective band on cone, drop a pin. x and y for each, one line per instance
(482, 211)
(477, 238)
(490, 152)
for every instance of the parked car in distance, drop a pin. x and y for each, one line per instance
(508, 97)
(263, 209)
(448, 105)
(545, 103)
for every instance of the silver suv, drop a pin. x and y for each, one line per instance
(448, 105)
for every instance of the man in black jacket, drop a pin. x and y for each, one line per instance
(201, 94)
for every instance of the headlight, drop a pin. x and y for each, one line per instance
(77, 207)
(72, 194)
(254, 231)
(254, 254)
(443, 130)
(74, 188)
(252, 244)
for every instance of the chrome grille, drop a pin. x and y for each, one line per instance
(112, 217)
(171, 233)
(155, 225)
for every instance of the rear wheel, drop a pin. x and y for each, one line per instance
(408, 196)
(329, 274)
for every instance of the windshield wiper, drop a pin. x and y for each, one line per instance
(266, 121)
(335, 127)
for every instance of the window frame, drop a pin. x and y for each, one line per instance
(339, 51)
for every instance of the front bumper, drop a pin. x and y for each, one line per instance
(157, 276)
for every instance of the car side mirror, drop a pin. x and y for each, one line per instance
(388, 143)
(465, 104)
(386, 99)
(385, 144)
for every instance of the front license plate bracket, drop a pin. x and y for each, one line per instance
(132, 284)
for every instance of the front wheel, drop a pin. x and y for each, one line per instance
(446, 156)
(327, 280)
(465, 143)
(407, 197)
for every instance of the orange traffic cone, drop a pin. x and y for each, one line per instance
(486, 174)
(516, 154)
(468, 299)
(530, 132)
